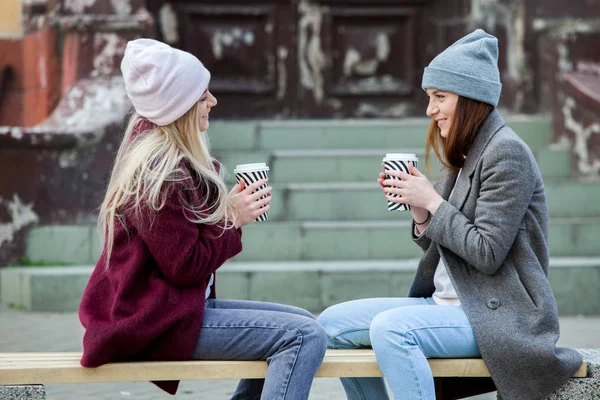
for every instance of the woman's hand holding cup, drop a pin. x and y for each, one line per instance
(414, 189)
(249, 201)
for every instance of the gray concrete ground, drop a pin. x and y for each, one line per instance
(25, 331)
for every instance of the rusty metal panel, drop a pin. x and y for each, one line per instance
(235, 43)
(247, 49)
(563, 8)
(371, 51)
(358, 59)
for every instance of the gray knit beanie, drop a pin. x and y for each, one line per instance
(468, 68)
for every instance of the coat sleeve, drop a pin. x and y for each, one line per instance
(422, 240)
(186, 252)
(508, 179)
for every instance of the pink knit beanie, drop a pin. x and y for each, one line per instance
(163, 83)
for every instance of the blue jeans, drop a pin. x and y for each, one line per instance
(403, 332)
(289, 338)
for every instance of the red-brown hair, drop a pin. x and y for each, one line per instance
(468, 117)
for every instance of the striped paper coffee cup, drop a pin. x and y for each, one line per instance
(251, 173)
(398, 162)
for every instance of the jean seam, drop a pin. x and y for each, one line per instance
(410, 353)
(437, 327)
(247, 326)
(339, 333)
(287, 382)
(415, 369)
(357, 388)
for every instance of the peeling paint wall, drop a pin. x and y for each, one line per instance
(510, 16)
(21, 215)
(108, 50)
(311, 58)
(282, 55)
(169, 24)
(233, 37)
(354, 63)
(78, 6)
(121, 7)
(90, 105)
(586, 165)
(392, 111)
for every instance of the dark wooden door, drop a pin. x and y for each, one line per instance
(305, 59)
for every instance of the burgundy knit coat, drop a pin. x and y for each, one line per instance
(148, 305)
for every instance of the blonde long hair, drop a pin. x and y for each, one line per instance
(149, 162)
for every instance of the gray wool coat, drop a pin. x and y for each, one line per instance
(493, 238)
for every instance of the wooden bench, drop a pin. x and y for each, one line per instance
(51, 368)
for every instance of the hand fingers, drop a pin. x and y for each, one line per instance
(260, 211)
(261, 203)
(393, 183)
(238, 187)
(403, 175)
(393, 190)
(395, 199)
(414, 171)
(398, 174)
(255, 185)
(392, 172)
(264, 192)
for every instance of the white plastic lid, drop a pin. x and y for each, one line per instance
(401, 156)
(251, 167)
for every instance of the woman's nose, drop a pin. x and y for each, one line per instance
(432, 109)
(213, 100)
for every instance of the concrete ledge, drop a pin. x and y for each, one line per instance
(310, 239)
(582, 388)
(33, 392)
(313, 285)
(54, 289)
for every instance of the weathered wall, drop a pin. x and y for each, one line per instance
(28, 63)
(278, 59)
(56, 171)
(10, 19)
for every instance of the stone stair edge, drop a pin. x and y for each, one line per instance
(350, 152)
(315, 224)
(362, 185)
(298, 266)
(363, 121)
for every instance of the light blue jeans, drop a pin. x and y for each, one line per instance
(289, 338)
(403, 332)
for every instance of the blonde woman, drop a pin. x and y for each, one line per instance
(169, 224)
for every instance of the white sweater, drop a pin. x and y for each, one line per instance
(444, 294)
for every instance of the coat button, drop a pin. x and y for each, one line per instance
(493, 304)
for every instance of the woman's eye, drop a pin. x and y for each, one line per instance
(439, 96)
(203, 99)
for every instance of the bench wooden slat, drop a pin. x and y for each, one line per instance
(48, 368)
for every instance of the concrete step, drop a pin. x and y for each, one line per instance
(307, 240)
(357, 165)
(376, 240)
(313, 285)
(365, 201)
(349, 134)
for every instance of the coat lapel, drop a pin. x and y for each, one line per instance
(493, 123)
(444, 185)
